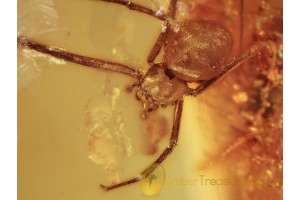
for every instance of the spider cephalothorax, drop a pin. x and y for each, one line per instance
(159, 87)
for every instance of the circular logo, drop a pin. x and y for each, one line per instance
(154, 182)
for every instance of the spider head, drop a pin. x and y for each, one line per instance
(159, 87)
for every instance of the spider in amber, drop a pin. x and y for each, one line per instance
(195, 52)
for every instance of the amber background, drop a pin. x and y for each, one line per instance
(216, 137)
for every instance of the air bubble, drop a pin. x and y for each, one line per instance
(160, 11)
(163, 27)
(240, 97)
(173, 25)
(176, 27)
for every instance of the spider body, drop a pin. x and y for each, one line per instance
(198, 50)
(194, 51)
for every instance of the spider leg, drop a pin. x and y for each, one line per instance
(168, 150)
(162, 36)
(172, 9)
(133, 6)
(95, 63)
(257, 48)
(157, 47)
(129, 88)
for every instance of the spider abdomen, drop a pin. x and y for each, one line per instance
(198, 50)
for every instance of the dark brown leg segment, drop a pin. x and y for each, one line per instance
(172, 9)
(172, 143)
(95, 63)
(162, 36)
(157, 47)
(254, 50)
(136, 7)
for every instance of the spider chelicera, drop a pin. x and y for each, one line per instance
(195, 51)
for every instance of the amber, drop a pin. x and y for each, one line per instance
(77, 127)
(198, 50)
(253, 99)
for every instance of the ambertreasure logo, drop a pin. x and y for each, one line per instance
(204, 181)
(154, 182)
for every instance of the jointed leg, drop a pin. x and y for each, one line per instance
(172, 9)
(136, 7)
(25, 42)
(254, 50)
(157, 47)
(163, 156)
(162, 36)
